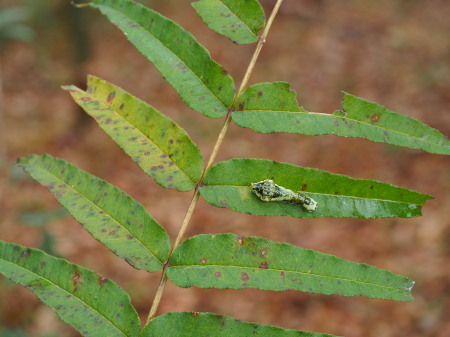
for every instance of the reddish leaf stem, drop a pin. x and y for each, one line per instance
(212, 158)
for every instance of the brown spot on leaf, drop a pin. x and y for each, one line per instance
(263, 252)
(260, 93)
(264, 265)
(76, 279)
(218, 274)
(375, 118)
(101, 281)
(25, 253)
(282, 274)
(203, 261)
(241, 240)
(223, 203)
(244, 277)
(304, 186)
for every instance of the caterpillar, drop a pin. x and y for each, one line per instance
(267, 191)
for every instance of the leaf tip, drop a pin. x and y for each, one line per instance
(69, 88)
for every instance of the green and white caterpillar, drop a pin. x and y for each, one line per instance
(267, 190)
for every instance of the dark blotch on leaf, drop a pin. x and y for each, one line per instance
(244, 277)
(111, 97)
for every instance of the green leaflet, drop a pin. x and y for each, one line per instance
(93, 305)
(189, 324)
(110, 215)
(238, 20)
(202, 83)
(229, 261)
(160, 147)
(227, 184)
(273, 107)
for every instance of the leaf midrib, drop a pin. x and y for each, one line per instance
(139, 131)
(286, 270)
(327, 194)
(105, 212)
(354, 120)
(66, 291)
(171, 52)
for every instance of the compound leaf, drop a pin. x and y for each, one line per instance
(202, 83)
(110, 215)
(227, 184)
(188, 324)
(160, 147)
(229, 261)
(93, 305)
(238, 20)
(273, 107)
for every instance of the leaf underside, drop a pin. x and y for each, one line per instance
(229, 261)
(227, 184)
(189, 324)
(110, 215)
(160, 147)
(238, 20)
(93, 305)
(273, 107)
(201, 82)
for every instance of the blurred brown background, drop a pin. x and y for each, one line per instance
(394, 52)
